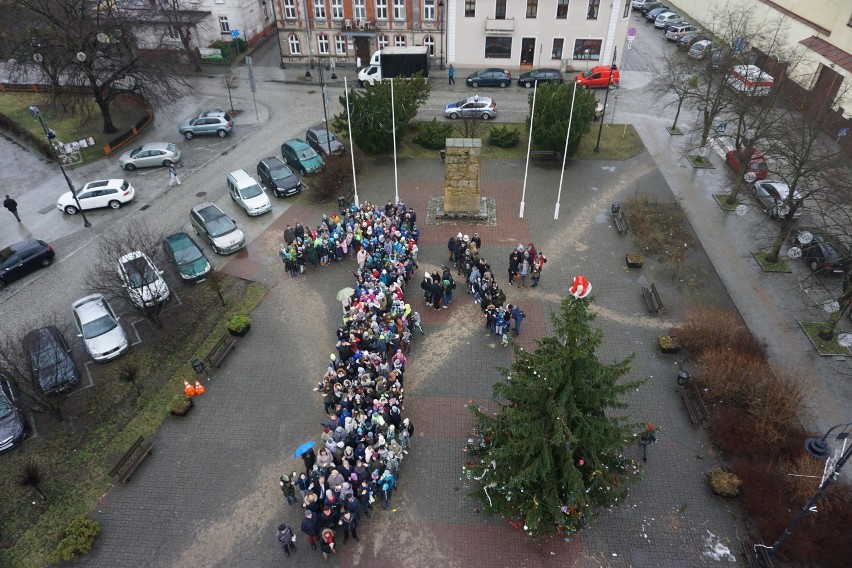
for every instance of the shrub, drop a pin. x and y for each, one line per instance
(335, 179)
(434, 134)
(724, 483)
(180, 404)
(709, 328)
(734, 376)
(777, 408)
(503, 136)
(803, 474)
(238, 323)
(77, 538)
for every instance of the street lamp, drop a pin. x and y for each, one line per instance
(606, 98)
(50, 136)
(441, 14)
(818, 447)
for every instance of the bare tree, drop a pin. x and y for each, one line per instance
(679, 77)
(182, 21)
(231, 81)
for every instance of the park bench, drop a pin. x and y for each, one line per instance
(131, 460)
(652, 299)
(620, 219)
(219, 351)
(544, 154)
(756, 556)
(694, 403)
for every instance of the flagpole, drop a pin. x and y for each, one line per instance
(393, 122)
(529, 146)
(351, 147)
(565, 154)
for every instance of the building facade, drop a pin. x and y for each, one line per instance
(253, 19)
(569, 34)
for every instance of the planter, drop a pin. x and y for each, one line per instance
(239, 325)
(668, 344)
(633, 260)
(180, 405)
(241, 332)
(724, 484)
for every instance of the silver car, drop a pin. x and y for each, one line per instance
(211, 122)
(221, 233)
(150, 155)
(98, 326)
(772, 195)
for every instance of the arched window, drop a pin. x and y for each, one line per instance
(295, 46)
(429, 42)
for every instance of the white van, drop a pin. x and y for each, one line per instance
(248, 193)
(750, 80)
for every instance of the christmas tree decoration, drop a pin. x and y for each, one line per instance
(554, 456)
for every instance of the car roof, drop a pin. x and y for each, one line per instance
(179, 238)
(24, 245)
(156, 146)
(116, 183)
(702, 42)
(319, 129)
(213, 114)
(204, 210)
(41, 333)
(132, 256)
(273, 162)
(296, 144)
(90, 307)
(475, 99)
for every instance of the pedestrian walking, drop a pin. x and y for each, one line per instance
(12, 206)
(288, 488)
(173, 177)
(287, 538)
(451, 74)
(311, 527)
(518, 315)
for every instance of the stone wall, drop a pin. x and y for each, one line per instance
(462, 175)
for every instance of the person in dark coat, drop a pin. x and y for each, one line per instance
(437, 293)
(286, 538)
(289, 235)
(12, 206)
(299, 231)
(514, 262)
(311, 527)
(327, 543)
(310, 458)
(349, 522)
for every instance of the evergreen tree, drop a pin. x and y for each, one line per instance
(551, 456)
(552, 110)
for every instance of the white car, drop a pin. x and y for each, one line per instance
(143, 281)
(102, 193)
(772, 196)
(98, 326)
(248, 194)
(150, 155)
(667, 19)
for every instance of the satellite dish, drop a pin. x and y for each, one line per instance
(750, 177)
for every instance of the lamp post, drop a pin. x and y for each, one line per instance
(441, 14)
(308, 31)
(324, 108)
(50, 136)
(606, 99)
(818, 447)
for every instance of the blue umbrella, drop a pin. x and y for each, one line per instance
(304, 448)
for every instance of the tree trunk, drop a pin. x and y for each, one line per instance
(103, 104)
(845, 300)
(677, 114)
(783, 232)
(732, 197)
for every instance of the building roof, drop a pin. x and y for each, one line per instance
(829, 51)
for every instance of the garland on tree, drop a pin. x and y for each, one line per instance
(551, 455)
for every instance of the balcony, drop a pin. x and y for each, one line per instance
(499, 27)
(357, 25)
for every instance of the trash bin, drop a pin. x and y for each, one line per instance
(443, 155)
(198, 366)
(342, 204)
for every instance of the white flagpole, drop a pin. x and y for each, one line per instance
(565, 154)
(529, 146)
(393, 123)
(351, 148)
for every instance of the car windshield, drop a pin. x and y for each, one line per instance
(139, 272)
(172, 148)
(98, 327)
(251, 191)
(135, 152)
(323, 135)
(6, 407)
(6, 253)
(280, 173)
(187, 255)
(220, 226)
(307, 154)
(589, 73)
(49, 357)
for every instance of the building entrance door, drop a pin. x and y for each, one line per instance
(362, 49)
(527, 50)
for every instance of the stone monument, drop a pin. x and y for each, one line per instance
(462, 176)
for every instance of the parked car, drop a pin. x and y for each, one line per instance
(298, 154)
(248, 194)
(49, 360)
(756, 165)
(686, 41)
(95, 194)
(320, 139)
(19, 259)
(821, 252)
(12, 424)
(539, 76)
(277, 177)
(772, 195)
(601, 76)
(648, 6)
(666, 19)
(98, 325)
(211, 122)
(219, 230)
(150, 155)
(677, 31)
(637, 4)
(651, 15)
(188, 258)
(700, 49)
(472, 107)
(491, 77)
(143, 281)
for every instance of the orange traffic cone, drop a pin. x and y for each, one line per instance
(188, 389)
(199, 388)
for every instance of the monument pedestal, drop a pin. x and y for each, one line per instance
(462, 178)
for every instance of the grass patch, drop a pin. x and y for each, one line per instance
(618, 142)
(77, 454)
(660, 229)
(779, 266)
(721, 199)
(70, 126)
(823, 347)
(701, 162)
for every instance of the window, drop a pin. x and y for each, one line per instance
(469, 8)
(322, 43)
(594, 8)
(399, 41)
(381, 9)
(626, 13)
(429, 10)
(562, 9)
(295, 46)
(532, 8)
(500, 10)
(429, 42)
(173, 32)
(587, 49)
(498, 47)
(224, 26)
(319, 9)
(359, 9)
(340, 44)
(382, 40)
(556, 52)
(336, 9)
(398, 9)
(289, 9)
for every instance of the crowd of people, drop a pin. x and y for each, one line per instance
(364, 437)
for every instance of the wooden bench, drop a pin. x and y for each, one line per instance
(756, 556)
(652, 299)
(131, 460)
(545, 154)
(620, 220)
(694, 403)
(224, 346)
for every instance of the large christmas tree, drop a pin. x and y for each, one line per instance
(552, 455)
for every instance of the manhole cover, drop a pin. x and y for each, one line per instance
(201, 194)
